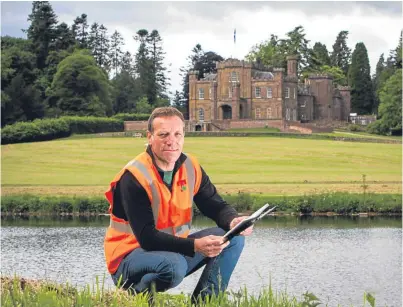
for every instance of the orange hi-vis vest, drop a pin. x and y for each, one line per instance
(172, 211)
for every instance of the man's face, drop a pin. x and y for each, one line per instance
(167, 139)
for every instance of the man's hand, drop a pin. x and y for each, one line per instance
(210, 246)
(235, 221)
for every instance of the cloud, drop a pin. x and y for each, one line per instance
(184, 24)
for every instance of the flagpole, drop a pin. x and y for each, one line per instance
(234, 48)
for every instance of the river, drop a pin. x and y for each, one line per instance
(335, 258)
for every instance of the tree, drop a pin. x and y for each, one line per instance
(127, 63)
(179, 103)
(158, 79)
(359, 79)
(42, 31)
(142, 106)
(341, 54)
(19, 97)
(390, 107)
(80, 87)
(125, 93)
(80, 32)
(143, 63)
(380, 67)
(116, 51)
(64, 38)
(321, 54)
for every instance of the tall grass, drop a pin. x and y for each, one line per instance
(20, 292)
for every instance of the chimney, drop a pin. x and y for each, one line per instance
(292, 65)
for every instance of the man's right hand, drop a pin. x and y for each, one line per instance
(210, 246)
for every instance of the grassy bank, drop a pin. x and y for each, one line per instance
(339, 203)
(22, 292)
(270, 166)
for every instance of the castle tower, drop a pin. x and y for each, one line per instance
(345, 92)
(321, 86)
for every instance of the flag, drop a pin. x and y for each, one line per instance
(234, 36)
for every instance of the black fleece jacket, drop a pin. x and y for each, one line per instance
(132, 204)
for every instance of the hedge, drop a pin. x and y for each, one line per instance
(49, 129)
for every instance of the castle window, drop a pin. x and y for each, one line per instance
(234, 76)
(269, 114)
(295, 95)
(230, 91)
(257, 113)
(201, 114)
(294, 115)
(257, 92)
(201, 93)
(287, 114)
(303, 105)
(209, 92)
(269, 92)
(287, 92)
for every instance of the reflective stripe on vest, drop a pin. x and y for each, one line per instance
(125, 228)
(156, 201)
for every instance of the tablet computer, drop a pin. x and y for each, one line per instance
(246, 223)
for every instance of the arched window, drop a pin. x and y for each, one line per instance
(201, 114)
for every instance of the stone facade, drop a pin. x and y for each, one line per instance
(247, 91)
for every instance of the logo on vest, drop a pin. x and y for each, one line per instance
(182, 184)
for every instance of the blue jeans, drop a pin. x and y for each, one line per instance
(141, 270)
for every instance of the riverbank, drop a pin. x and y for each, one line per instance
(18, 291)
(326, 204)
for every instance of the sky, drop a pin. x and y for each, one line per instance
(182, 25)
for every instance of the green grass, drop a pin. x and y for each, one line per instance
(21, 292)
(273, 166)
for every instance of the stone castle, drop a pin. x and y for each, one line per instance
(241, 93)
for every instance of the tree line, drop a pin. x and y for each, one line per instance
(82, 70)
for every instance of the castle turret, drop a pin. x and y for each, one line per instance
(292, 65)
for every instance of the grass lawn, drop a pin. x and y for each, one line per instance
(272, 166)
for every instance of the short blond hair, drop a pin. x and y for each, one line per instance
(164, 112)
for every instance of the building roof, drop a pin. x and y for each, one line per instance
(262, 74)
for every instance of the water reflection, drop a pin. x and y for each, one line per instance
(336, 258)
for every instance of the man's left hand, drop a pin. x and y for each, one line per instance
(247, 231)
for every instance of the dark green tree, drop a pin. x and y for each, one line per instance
(359, 78)
(64, 39)
(80, 31)
(321, 54)
(341, 54)
(80, 87)
(158, 79)
(125, 93)
(116, 52)
(143, 63)
(390, 107)
(42, 31)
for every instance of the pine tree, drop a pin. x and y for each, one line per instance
(80, 31)
(321, 54)
(116, 53)
(143, 64)
(341, 54)
(42, 30)
(158, 79)
(359, 79)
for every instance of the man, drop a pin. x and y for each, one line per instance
(148, 243)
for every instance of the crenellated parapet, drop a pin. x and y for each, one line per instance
(233, 63)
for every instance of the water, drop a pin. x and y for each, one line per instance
(335, 258)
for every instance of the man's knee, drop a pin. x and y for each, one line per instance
(237, 243)
(170, 272)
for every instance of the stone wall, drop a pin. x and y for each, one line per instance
(135, 125)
